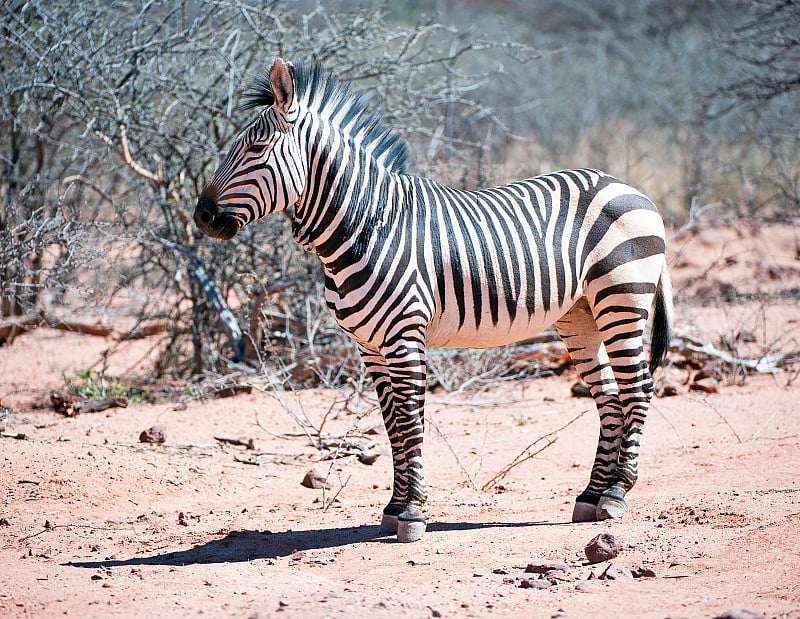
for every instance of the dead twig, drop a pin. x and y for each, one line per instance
(724, 419)
(767, 364)
(526, 454)
(248, 444)
(327, 504)
(452, 451)
(51, 527)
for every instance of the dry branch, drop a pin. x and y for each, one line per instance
(13, 328)
(767, 364)
(216, 302)
(526, 454)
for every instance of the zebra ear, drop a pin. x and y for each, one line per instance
(282, 86)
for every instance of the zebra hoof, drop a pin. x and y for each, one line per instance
(388, 524)
(410, 530)
(610, 507)
(584, 512)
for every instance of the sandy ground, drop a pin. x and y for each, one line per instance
(94, 523)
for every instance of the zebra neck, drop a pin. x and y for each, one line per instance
(350, 201)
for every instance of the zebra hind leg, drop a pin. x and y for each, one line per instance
(583, 340)
(621, 312)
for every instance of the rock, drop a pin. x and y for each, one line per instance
(4, 522)
(602, 548)
(712, 369)
(669, 390)
(556, 576)
(534, 583)
(641, 571)
(616, 572)
(435, 612)
(584, 585)
(707, 385)
(155, 434)
(580, 390)
(542, 567)
(416, 562)
(740, 613)
(314, 480)
(368, 457)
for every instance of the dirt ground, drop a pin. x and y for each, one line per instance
(95, 523)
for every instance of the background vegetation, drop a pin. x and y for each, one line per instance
(116, 114)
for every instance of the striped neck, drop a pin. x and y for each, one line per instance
(349, 196)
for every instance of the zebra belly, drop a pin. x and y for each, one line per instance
(444, 331)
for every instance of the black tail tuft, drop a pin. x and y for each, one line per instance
(659, 342)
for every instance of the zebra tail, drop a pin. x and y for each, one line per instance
(662, 320)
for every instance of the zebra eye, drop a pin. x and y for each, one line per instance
(256, 149)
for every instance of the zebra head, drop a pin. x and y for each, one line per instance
(263, 172)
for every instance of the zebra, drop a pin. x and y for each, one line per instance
(410, 263)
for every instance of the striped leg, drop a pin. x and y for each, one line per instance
(399, 376)
(584, 343)
(622, 335)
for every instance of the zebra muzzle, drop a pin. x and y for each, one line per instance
(213, 223)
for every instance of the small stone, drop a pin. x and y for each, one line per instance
(499, 570)
(669, 390)
(314, 480)
(602, 548)
(480, 573)
(97, 577)
(616, 572)
(707, 385)
(542, 567)
(154, 434)
(584, 585)
(4, 522)
(580, 390)
(740, 613)
(641, 571)
(556, 576)
(534, 583)
(435, 612)
(368, 457)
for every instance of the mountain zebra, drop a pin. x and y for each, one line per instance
(410, 263)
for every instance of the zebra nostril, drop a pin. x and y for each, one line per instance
(206, 211)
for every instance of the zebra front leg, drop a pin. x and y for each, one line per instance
(399, 378)
(379, 371)
(406, 360)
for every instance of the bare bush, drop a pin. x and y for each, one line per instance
(131, 105)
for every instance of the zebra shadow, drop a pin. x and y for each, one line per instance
(250, 545)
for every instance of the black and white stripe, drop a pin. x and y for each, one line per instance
(410, 263)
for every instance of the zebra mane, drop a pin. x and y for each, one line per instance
(322, 93)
